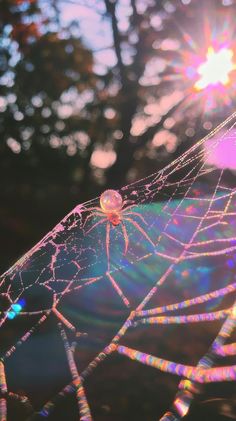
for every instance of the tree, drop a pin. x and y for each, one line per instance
(68, 130)
(38, 66)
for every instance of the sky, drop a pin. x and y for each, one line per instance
(95, 30)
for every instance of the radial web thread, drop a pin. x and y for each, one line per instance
(180, 231)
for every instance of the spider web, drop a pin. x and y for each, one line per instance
(91, 305)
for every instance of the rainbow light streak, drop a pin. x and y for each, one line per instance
(190, 318)
(84, 409)
(182, 403)
(197, 374)
(216, 69)
(190, 302)
(225, 350)
(24, 338)
(3, 390)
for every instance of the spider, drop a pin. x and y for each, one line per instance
(113, 213)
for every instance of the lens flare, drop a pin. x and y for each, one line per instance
(203, 68)
(216, 69)
(16, 309)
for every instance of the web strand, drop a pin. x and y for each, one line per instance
(173, 227)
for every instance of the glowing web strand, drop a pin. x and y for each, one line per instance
(24, 338)
(200, 243)
(6, 313)
(207, 218)
(187, 389)
(105, 353)
(182, 255)
(23, 260)
(190, 302)
(180, 162)
(62, 319)
(49, 406)
(118, 290)
(215, 241)
(80, 394)
(3, 391)
(32, 313)
(186, 392)
(70, 389)
(3, 386)
(77, 210)
(226, 350)
(197, 374)
(109, 348)
(113, 212)
(190, 318)
(195, 255)
(113, 344)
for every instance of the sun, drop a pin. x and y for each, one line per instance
(216, 69)
(203, 68)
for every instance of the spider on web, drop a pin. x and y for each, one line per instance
(62, 264)
(113, 212)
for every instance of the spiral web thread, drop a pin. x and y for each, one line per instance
(65, 262)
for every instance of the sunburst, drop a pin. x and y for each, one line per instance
(205, 65)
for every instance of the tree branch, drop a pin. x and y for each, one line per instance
(111, 10)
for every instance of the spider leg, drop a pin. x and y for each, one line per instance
(94, 208)
(113, 282)
(92, 216)
(126, 238)
(118, 290)
(96, 224)
(136, 214)
(129, 207)
(140, 229)
(108, 228)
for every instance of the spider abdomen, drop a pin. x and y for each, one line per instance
(111, 201)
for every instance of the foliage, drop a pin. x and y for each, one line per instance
(69, 130)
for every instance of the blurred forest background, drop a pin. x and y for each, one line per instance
(96, 94)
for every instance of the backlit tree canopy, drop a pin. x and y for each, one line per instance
(100, 93)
